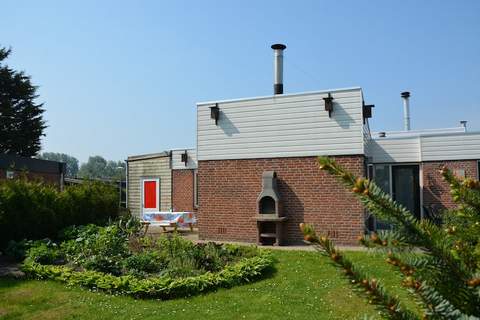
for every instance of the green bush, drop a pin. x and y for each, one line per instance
(45, 252)
(97, 248)
(144, 263)
(34, 210)
(246, 270)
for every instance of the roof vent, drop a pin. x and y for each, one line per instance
(278, 67)
(406, 110)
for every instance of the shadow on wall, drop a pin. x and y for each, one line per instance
(341, 116)
(293, 209)
(227, 126)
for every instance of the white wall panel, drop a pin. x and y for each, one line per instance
(282, 126)
(177, 163)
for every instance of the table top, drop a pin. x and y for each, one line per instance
(181, 218)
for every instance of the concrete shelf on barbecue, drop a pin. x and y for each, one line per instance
(269, 217)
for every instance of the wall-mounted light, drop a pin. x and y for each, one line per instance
(367, 111)
(215, 113)
(185, 157)
(329, 104)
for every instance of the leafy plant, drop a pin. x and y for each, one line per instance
(144, 263)
(44, 252)
(445, 278)
(97, 248)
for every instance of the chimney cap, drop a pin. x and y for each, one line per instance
(405, 94)
(279, 46)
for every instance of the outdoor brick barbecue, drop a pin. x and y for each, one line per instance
(269, 216)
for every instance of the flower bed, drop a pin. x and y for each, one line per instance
(113, 259)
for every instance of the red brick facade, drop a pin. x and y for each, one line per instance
(51, 178)
(228, 190)
(183, 190)
(437, 191)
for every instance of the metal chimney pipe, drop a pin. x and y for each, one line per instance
(406, 110)
(278, 67)
(463, 123)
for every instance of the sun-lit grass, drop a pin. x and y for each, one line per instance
(304, 286)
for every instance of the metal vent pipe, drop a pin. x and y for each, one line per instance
(406, 110)
(278, 67)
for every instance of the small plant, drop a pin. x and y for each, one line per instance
(144, 263)
(45, 252)
(97, 248)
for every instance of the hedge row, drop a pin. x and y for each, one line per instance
(34, 210)
(244, 271)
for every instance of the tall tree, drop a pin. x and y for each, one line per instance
(71, 162)
(21, 122)
(98, 168)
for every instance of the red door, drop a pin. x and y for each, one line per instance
(150, 194)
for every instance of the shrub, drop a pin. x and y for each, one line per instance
(144, 263)
(44, 252)
(97, 248)
(246, 270)
(34, 210)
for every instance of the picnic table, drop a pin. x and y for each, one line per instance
(169, 219)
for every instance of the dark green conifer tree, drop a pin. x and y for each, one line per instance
(21, 122)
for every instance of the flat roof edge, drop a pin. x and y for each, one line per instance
(278, 96)
(440, 134)
(149, 156)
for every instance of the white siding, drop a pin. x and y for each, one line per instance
(462, 146)
(177, 163)
(282, 126)
(394, 150)
(434, 147)
(149, 168)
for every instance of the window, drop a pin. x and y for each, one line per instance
(478, 170)
(195, 189)
(10, 174)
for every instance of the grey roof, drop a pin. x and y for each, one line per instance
(11, 161)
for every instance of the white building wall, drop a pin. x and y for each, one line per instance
(462, 146)
(394, 150)
(177, 163)
(282, 126)
(428, 147)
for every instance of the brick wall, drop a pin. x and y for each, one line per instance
(228, 191)
(51, 178)
(182, 190)
(437, 191)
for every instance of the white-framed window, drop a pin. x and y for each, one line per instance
(10, 174)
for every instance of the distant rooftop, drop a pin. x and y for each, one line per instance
(416, 133)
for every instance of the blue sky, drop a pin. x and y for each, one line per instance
(122, 77)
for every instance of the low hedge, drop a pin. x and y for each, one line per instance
(247, 270)
(35, 210)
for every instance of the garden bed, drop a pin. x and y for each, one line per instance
(117, 260)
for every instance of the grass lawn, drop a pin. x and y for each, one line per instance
(304, 286)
